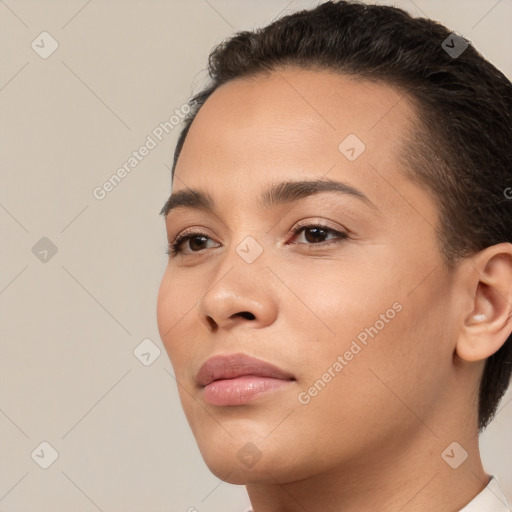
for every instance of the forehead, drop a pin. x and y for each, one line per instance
(299, 124)
(299, 106)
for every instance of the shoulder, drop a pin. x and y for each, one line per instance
(490, 499)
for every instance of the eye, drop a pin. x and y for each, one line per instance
(196, 237)
(316, 234)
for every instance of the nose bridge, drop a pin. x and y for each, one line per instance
(246, 253)
(239, 288)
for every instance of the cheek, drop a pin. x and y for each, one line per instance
(356, 390)
(174, 308)
(335, 300)
(383, 333)
(175, 304)
(164, 308)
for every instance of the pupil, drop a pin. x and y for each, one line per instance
(317, 231)
(192, 240)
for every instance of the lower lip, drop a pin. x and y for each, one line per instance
(240, 390)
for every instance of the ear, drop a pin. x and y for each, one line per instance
(487, 320)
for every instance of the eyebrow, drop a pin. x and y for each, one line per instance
(277, 194)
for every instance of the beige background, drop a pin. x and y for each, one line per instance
(70, 324)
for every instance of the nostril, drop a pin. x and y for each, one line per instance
(212, 323)
(247, 314)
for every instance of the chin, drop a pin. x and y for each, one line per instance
(234, 462)
(243, 463)
(235, 475)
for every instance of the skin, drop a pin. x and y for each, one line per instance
(372, 438)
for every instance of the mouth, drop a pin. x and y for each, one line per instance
(235, 379)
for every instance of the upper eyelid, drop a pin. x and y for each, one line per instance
(323, 223)
(300, 224)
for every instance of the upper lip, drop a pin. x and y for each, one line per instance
(231, 366)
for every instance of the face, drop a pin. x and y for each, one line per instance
(344, 291)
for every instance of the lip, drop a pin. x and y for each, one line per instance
(235, 379)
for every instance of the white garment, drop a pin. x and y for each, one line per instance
(491, 499)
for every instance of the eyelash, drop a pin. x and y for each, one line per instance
(175, 247)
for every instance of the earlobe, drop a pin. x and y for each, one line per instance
(489, 323)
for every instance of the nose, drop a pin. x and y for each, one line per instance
(239, 293)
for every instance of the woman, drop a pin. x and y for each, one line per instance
(337, 304)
